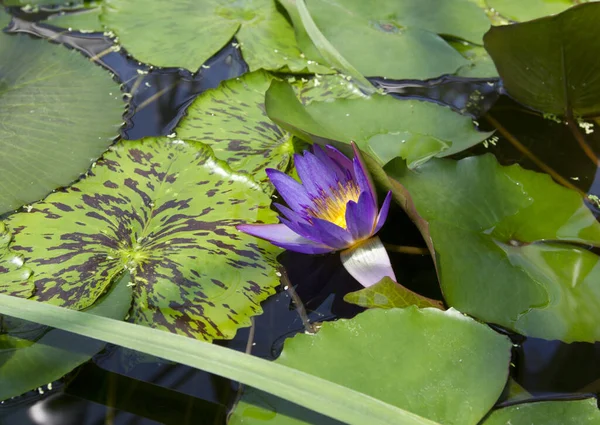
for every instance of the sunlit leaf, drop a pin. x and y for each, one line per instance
(377, 37)
(518, 10)
(509, 244)
(59, 112)
(440, 365)
(15, 275)
(580, 412)
(389, 294)
(165, 210)
(28, 364)
(554, 71)
(186, 33)
(382, 125)
(85, 20)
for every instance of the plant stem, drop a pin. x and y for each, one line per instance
(587, 149)
(402, 249)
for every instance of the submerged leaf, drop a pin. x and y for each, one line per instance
(26, 364)
(166, 211)
(186, 33)
(389, 294)
(555, 71)
(579, 412)
(440, 365)
(59, 112)
(508, 244)
(381, 125)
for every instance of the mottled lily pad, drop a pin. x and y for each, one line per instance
(186, 33)
(381, 125)
(15, 275)
(580, 412)
(32, 355)
(440, 365)
(389, 294)
(59, 112)
(166, 211)
(508, 244)
(554, 71)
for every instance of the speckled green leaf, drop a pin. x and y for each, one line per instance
(376, 37)
(32, 355)
(443, 366)
(389, 294)
(58, 113)
(382, 125)
(579, 412)
(15, 275)
(185, 33)
(509, 245)
(165, 210)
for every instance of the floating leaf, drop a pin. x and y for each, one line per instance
(188, 32)
(553, 71)
(440, 365)
(15, 276)
(507, 245)
(480, 64)
(389, 294)
(166, 211)
(518, 10)
(376, 37)
(580, 412)
(382, 125)
(59, 112)
(29, 364)
(84, 20)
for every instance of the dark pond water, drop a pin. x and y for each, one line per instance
(120, 387)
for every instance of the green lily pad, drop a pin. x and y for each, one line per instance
(59, 112)
(84, 20)
(389, 294)
(381, 125)
(15, 276)
(517, 10)
(188, 32)
(480, 64)
(553, 71)
(440, 365)
(580, 412)
(376, 37)
(26, 364)
(166, 210)
(507, 245)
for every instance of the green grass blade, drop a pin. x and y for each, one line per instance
(309, 391)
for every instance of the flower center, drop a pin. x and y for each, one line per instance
(331, 206)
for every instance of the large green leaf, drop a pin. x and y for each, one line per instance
(185, 33)
(519, 10)
(506, 244)
(27, 364)
(59, 112)
(377, 37)
(581, 412)
(382, 125)
(165, 210)
(440, 365)
(553, 71)
(347, 405)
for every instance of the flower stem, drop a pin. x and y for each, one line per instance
(402, 249)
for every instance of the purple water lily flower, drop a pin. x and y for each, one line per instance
(334, 208)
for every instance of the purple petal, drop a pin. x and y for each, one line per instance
(282, 236)
(290, 190)
(362, 176)
(341, 173)
(360, 217)
(342, 160)
(329, 234)
(316, 177)
(383, 212)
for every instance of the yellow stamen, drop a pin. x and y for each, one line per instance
(332, 206)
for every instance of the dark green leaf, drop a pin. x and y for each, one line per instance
(165, 210)
(59, 112)
(37, 362)
(389, 294)
(507, 244)
(549, 64)
(382, 125)
(440, 365)
(581, 412)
